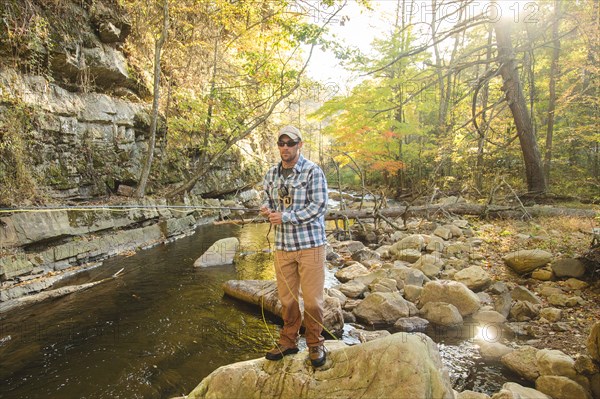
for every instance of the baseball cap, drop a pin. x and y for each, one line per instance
(291, 132)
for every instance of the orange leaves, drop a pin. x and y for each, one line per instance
(388, 166)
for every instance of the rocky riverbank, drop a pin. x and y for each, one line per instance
(535, 303)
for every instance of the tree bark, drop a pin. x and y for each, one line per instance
(552, 89)
(141, 188)
(536, 182)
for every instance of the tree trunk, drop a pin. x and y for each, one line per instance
(482, 131)
(552, 89)
(141, 188)
(536, 182)
(463, 209)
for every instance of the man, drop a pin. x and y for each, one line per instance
(296, 203)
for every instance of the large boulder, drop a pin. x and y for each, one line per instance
(263, 293)
(222, 252)
(465, 300)
(442, 314)
(555, 362)
(382, 308)
(527, 260)
(398, 366)
(474, 277)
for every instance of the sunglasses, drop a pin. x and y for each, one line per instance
(287, 143)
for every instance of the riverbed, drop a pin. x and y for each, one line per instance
(163, 325)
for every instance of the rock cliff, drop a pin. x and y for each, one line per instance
(74, 126)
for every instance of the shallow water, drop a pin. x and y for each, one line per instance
(161, 327)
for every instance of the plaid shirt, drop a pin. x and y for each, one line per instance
(304, 219)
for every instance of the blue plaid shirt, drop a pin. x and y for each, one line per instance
(304, 219)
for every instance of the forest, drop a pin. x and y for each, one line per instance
(464, 97)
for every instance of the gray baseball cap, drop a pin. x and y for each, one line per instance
(291, 132)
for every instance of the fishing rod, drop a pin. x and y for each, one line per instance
(119, 208)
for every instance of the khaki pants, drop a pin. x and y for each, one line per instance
(303, 269)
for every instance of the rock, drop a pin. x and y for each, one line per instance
(525, 261)
(221, 252)
(442, 314)
(523, 361)
(489, 317)
(485, 298)
(543, 274)
(568, 267)
(430, 265)
(512, 390)
(353, 289)
(575, 284)
(518, 328)
(414, 241)
(497, 288)
(383, 285)
(524, 311)
(521, 293)
(593, 342)
(560, 300)
(560, 387)
(348, 316)
(351, 304)
(383, 251)
(455, 230)
(412, 292)
(471, 395)
(408, 275)
(585, 365)
(548, 290)
(366, 335)
(108, 32)
(408, 255)
(493, 350)
(435, 244)
(125, 190)
(455, 293)
(365, 254)
(359, 371)
(474, 277)
(351, 272)
(443, 233)
(349, 246)
(382, 308)
(337, 294)
(263, 293)
(411, 324)
(555, 362)
(551, 314)
(456, 249)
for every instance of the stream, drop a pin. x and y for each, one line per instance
(162, 326)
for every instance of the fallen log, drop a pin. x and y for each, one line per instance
(50, 294)
(490, 211)
(263, 293)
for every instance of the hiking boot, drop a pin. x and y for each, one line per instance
(317, 355)
(279, 351)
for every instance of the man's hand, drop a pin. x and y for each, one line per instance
(275, 217)
(264, 211)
